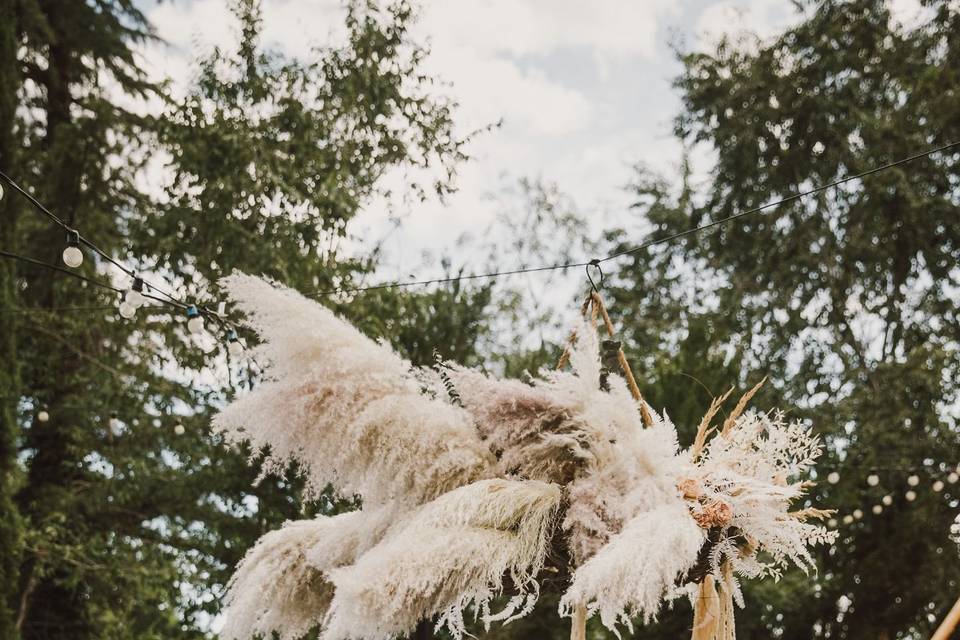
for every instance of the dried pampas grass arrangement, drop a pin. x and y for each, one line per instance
(475, 488)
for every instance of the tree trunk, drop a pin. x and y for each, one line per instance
(11, 532)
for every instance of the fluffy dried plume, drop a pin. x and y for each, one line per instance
(637, 568)
(346, 408)
(451, 555)
(281, 585)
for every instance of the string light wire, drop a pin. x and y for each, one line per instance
(680, 234)
(39, 206)
(596, 262)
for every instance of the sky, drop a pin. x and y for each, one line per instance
(583, 90)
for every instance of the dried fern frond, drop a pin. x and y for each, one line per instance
(452, 554)
(756, 470)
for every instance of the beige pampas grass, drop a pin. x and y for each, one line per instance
(630, 576)
(344, 407)
(281, 585)
(469, 482)
(453, 553)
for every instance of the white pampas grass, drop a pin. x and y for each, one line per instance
(451, 554)
(460, 476)
(344, 407)
(281, 585)
(630, 576)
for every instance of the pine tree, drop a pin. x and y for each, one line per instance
(130, 528)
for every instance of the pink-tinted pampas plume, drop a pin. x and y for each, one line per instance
(347, 409)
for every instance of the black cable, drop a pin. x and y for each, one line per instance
(795, 196)
(645, 245)
(520, 270)
(89, 243)
(53, 267)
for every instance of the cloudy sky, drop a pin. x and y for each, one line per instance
(583, 89)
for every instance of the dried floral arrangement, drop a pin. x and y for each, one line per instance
(474, 488)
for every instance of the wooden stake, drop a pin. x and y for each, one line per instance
(578, 624)
(595, 304)
(949, 624)
(622, 358)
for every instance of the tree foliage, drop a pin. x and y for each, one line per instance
(846, 300)
(129, 527)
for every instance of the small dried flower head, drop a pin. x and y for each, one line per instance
(690, 489)
(714, 514)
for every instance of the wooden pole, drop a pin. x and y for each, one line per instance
(949, 624)
(578, 625)
(594, 303)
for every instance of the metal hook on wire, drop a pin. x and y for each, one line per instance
(595, 263)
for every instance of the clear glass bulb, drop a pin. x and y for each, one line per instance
(179, 430)
(913, 481)
(195, 324)
(938, 485)
(887, 500)
(873, 480)
(127, 310)
(43, 416)
(910, 496)
(833, 478)
(234, 348)
(72, 256)
(135, 298)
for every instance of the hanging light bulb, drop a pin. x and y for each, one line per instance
(134, 296)
(873, 479)
(877, 509)
(42, 416)
(953, 477)
(832, 523)
(234, 348)
(72, 255)
(887, 500)
(913, 480)
(857, 514)
(194, 320)
(178, 429)
(938, 485)
(910, 495)
(127, 310)
(848, 519)
(833, 477)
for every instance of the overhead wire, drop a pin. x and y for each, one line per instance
(39, 206)
(645, 245)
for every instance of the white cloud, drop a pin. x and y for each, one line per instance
(583, 89)
(733, 17)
